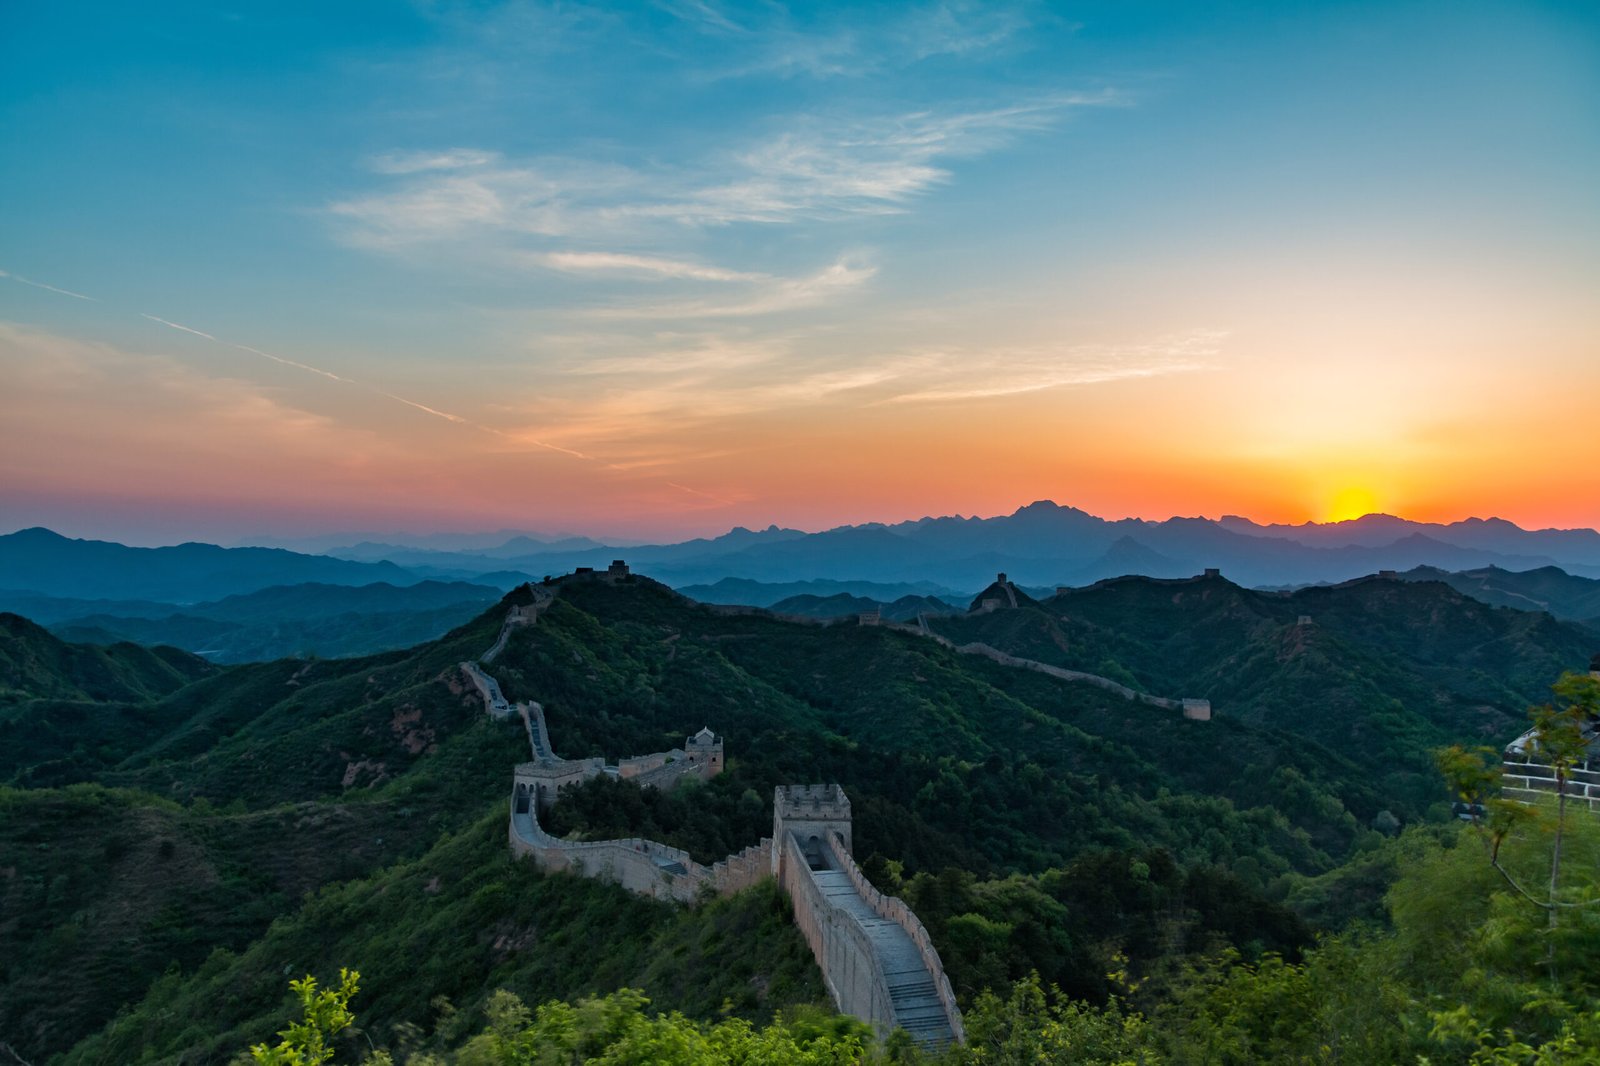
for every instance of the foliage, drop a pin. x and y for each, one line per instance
(326, 1014)
(35, 665)
(1034, 1026)
(616, 1029)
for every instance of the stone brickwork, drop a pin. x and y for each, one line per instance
(1527, 781)
(644, 866)
(876, 958)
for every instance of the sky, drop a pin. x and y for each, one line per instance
(657, 270)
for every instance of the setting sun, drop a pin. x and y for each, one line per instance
(1350, 503)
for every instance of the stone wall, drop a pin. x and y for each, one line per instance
(841, 947)
(494, 702)
(894, 909)
(810, 812)
(1529, 781)
(647, 867)
(538, 734)
(1195, 710)
(871, 973)
(675, 766)
(643, 866)
(743, 868)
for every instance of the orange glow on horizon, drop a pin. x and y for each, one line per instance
(1351, 503)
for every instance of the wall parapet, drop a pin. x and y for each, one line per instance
(494, 701)
(843, 951)
(895, 909)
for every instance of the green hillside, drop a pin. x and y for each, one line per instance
(1380, 671)
(35, 665)
(295, 620)
(1547, 588)
(353, 813)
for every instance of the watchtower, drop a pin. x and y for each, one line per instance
(705, 752)
(810, 812)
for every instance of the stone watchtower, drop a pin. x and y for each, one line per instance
(705, 752)
(810, 812)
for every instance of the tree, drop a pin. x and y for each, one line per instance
(1560, 737)
(326, 1014)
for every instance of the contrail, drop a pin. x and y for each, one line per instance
(700, 492)
(47, 288)
(331, 376)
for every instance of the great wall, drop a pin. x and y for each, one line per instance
(876, 959)
(1196, 710)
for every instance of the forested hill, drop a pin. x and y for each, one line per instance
(1379, 670)
(1546, 588)
(1035, 825)
(36, 665)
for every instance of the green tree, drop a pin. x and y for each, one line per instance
(326, 1014)
(1560, 739)
(1034, 1025)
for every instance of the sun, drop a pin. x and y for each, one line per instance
(1352, 502)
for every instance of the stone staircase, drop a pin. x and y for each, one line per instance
(917, 1009)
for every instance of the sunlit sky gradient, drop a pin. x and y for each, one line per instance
(660, 270)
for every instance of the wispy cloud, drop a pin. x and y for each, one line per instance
(670, 354)
(330, 375)
(95, 401)
(816, 170)
(846, 41)
(772, 296)
(638, 266)
(946, 377)
(661, 405)
(415, 162)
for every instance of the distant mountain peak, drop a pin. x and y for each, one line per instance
(37, 533)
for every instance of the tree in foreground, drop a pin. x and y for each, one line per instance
(326, 1013)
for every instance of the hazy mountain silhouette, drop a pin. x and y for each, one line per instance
(1041, 545)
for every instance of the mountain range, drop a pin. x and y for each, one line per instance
(257, 603)
(1041, 545)
(1046, 544)
(309, 619)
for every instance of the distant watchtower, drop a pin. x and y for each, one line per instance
(705, 752)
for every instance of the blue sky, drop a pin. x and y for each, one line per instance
(672, 266)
